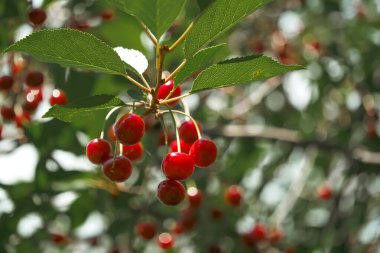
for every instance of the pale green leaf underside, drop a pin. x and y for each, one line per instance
(201, 60)
(80, 108)
(240, 71)
(71, 48)
(218, 18)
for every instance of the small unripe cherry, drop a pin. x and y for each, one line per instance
(185, 147)
(37, 16)
(177, 166)
(6, 82)
(146, 230)
(7, 113)
(117, 169)
(133, 152)
(170, 192)
(324, 192)
(188, 131)
(129, 129)
(259, 232)
(98, 151)
(165, 89)
(58, 97)
(233, 195)
(165, 240)
(34, 79)
(203, 152)
(194, 196)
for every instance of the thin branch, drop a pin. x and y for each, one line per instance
(144, 81)
(180, 39)
(150, 35)
(167, 101)
(137, 83)
(175, 72)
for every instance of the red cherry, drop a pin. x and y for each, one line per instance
(178, 228)
(146, 230)
(177, 166)
(185, 147)
(34, 78)
(98, 151)
(58, 238)
(107, 14)
(37, 16)
(216, 214)
(188, 132)
(203, 152)
(324, 192)
(6, 82)
(165, 89)
(58, 97)
(21, 119)
(117, 169)
(133, 152)
(188, 218)
(33, 98)
(275, 235)
(233, 195)
(194, 196)
(17, 67)
(259, 232)
(165, 240)
(129, 129)
(7, 113)
(248, 240)
(170, 192)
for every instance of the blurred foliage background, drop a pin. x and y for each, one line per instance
(283, 141)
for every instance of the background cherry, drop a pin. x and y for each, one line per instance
(194, 196)
(58, 97)
(233, 195)
(170, 192)
(34, 79)
(7, 113)
(37, 16)
(185, 147)
(165, 240)
(188, 132)
(146, 230)
(117, 169)
(133, 152)
(6, 82)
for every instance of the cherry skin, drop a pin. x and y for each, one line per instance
(129, 129)
(165, 240)
(324, 192)
(117, 169)
(37, 16)
(194, 196)
(58, 97)
(34, 79)
(203, 152)
(259, 232)
(33, 98)
(107, 14)
(165, 89)
(170, 192)
(146, 230)
(185, 147)
(177, 166)
(233, 195)
(188, 132)
(6, 82)
(133, 152)
(7, 113)
(98, 151)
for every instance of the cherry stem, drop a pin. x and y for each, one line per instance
(175, 127)
(175, 72)
(191, 118)
(150, 35)
(144, 81)
(182, 38)
(120, 149)
(185, 106)
(167, 101)
(109, 114)
(165, 132)
(147, 90)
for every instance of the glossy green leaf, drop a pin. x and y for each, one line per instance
(201, 60)
(68, 112)
(71, 48)
(218, 18)
(240, 71)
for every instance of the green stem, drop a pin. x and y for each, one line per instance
(187, 115)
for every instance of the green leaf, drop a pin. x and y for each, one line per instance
(68, 112)
(218, 18)
(71, 48)
(201, 60)
(203, 4)
(157, 15)
(240, 71)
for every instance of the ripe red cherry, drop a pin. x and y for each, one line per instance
(6, 82)
(7, 113)
(58, 97)
(34, 78)
(37, 16)
(107, 14)
(165, 89)
(129, 129)
(177, 166)
(146, 230)
(259, 232)
(188, 132)
(133, 152)
(33, 98)
(233, 195)
(98, 151)
(165, 240)
(117, 169)
(203, 152)
(185, 147)
(194, 196)
(170, 192)
(324, 192)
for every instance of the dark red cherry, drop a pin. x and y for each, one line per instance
(34, 79)
(194, 196)
(146, 230)
(117, 169)
(33, 98)
(129, 129)
(165, 240)
(216, 214)
(165, 89)
(6, 82)
(37, 16)
(7, 113)
(233, 195)
(177, 166)
(188, 132)
(171, 192)
(59, 238)
(133, 152)
(98, 151)
(107, 14)
(185, 147)
(259, 232)
(203, 152)
(58, 97)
